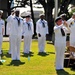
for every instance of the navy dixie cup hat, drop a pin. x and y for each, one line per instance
(58, 18)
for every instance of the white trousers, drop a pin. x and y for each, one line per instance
(60, 49)
(27, 43)
(72, 42)
(1, 39)
(15, 47)
(41, 43)
(9, 45)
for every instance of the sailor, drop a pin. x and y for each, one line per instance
(64, 17)
(60, 31)
(28, 31)
(9, 27)
(2, 23)
(71, 23)
(16, 35)
(41, 30)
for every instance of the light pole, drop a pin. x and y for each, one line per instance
(55, 15)
(56, 8)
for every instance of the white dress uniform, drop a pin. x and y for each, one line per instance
(42, 31)
(15, 35)
(8, 30)
(71, 23)
(2, 23)
(28, 31)
(60, 44)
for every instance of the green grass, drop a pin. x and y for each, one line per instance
(34, 64)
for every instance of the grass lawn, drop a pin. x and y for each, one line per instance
(33, 64)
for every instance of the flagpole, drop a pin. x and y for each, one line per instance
(56, 8)
(55, 15)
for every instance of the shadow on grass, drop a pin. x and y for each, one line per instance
(26, 55)
(51, 52)
(16, 63)
(62, 72)
(1, 63)
(73, 68)
(8, 55)
(43, 54)
(5, 53)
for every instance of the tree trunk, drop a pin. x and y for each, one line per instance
(49, 16)
(32, 13)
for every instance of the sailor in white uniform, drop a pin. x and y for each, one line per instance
(41, 30)
(28, 31)
(64, 17)
(60, 31)
(71, 23)
(2, 23)
(16, 35)
(9, 27)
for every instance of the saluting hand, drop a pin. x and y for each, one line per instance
(65, 23)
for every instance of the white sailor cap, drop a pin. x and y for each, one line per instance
(41, 15)
(58, 18)
(1, 11)
(74, 13)
(17, 10)
(27, 14)
(62, 15)
(12, 10)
